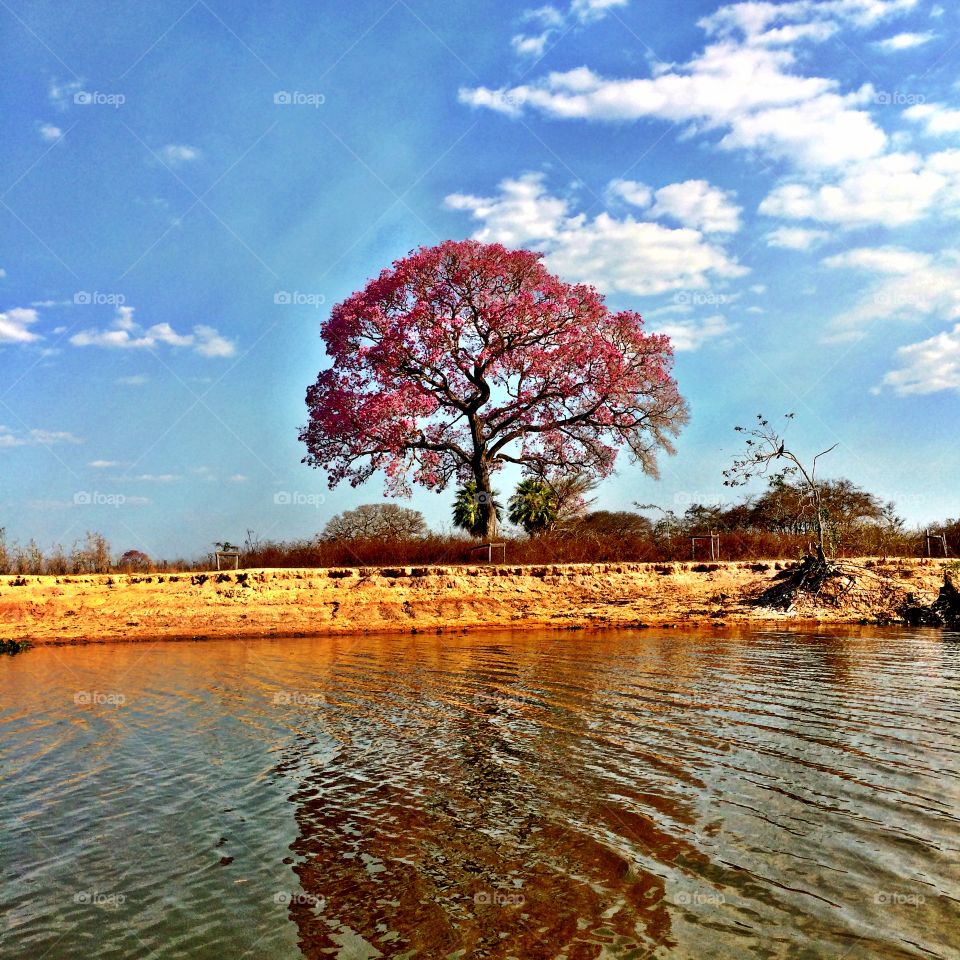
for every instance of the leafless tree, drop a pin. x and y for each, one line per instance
(767, 456)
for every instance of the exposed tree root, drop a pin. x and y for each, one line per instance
(943, 612)
(818, 584)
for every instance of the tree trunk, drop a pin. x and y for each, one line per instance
(488, 512)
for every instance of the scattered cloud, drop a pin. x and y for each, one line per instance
(104, 464)
(904, 41)
(892, 190)
(936, 118)
(49, 132)
(929, 366)
(238, 478)
(14, 324)
(617, 255)
(698, 204)
(136, 380)
(905, 287)
(547, 21)
(796, 238)
(35, 438)
(687, 335)
(126, 333)
(61, 94)
(176, 154)
(751, 95)
(630, 191)
(151, 478)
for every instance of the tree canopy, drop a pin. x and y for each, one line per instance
(376, 521)
(465, 356)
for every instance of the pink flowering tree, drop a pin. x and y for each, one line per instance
(466, 356)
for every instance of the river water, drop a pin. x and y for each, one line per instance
(571, 795)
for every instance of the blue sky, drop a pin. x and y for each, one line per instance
(187, 188)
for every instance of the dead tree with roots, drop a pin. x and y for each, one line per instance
(767, 456)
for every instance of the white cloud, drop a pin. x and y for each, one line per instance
(892, 190)
(692, 334)
(929, 366)
(49, 132)
(154, 478)
(104, 464)
(14, 324)
(630, 191)
(750, 94)
(531, 45)
(905, 287)
(617, 255)
(209, 343)
(552, 21)
(754, 18)
(594, 9)
(795, 238)
(61, 94)
(880, 260)
(136, 380)
(237, 478)
(698, 204)
(178, 153)
(904, 41)
(126, 333)
(35, 438)
(937, 118)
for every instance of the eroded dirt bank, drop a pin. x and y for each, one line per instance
(251, 603)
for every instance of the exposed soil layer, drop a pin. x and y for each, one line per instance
(251, 603)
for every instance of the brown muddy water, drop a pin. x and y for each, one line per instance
(625, 794)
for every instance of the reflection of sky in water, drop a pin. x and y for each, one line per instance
(632, 794)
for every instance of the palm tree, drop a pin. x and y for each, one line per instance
(533, 506)
(467, 514)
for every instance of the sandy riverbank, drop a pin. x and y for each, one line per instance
(252, 603)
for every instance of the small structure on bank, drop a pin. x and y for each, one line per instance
(940, 539)
(712, 538)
